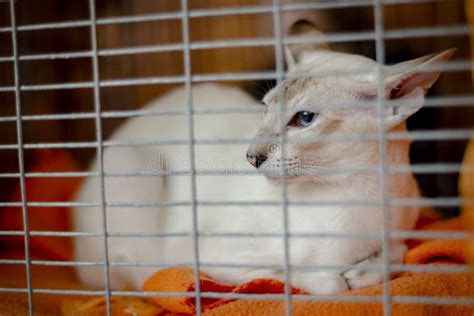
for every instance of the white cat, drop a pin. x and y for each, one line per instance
(249, 210)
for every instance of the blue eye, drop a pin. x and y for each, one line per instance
(304, 118)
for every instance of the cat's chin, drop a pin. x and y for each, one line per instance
(277, 180)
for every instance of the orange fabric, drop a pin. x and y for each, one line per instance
(121, 306)
(429, 220)
(466, 181)
(182, 280)
(44, 218)
(421, 284)
(447, 285)
(437, 251)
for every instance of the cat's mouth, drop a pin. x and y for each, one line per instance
(277, 178)
(273, 173)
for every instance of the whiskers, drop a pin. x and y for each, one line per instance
(310, 173)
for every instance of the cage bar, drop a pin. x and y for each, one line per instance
(100, 152)
(21, 159)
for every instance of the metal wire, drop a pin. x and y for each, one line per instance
(437, 135)
(256, 75)
(99, 153)
(426, 235)
(21, 159)
(253, 42)
(279, 67)
(192, 152)
(431, 102)
(429, 300)
(438, 168)
(413, 268)
(210, 13)
(259, 75)
(384, 185)
(414, 202)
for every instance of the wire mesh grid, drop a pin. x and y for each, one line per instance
(379, 35)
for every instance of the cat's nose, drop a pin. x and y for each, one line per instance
(256, 160)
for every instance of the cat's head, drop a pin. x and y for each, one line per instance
(329, 94)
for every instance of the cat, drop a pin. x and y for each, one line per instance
(252, 187)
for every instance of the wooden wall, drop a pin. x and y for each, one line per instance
(224, 60)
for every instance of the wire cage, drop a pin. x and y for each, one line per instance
(72, 72)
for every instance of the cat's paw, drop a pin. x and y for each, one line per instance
(357, 278)
(321, 283)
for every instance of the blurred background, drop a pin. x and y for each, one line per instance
(447, 16)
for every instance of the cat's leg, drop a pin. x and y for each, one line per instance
(357, 278)
(120, 219)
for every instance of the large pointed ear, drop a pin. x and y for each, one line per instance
(295, 52)
(408, 82)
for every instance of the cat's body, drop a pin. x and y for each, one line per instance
(242, 216)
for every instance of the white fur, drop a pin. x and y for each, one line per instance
(243, 188)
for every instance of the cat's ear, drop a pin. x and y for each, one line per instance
(408, 82)
(295, 52)
(289, 58)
